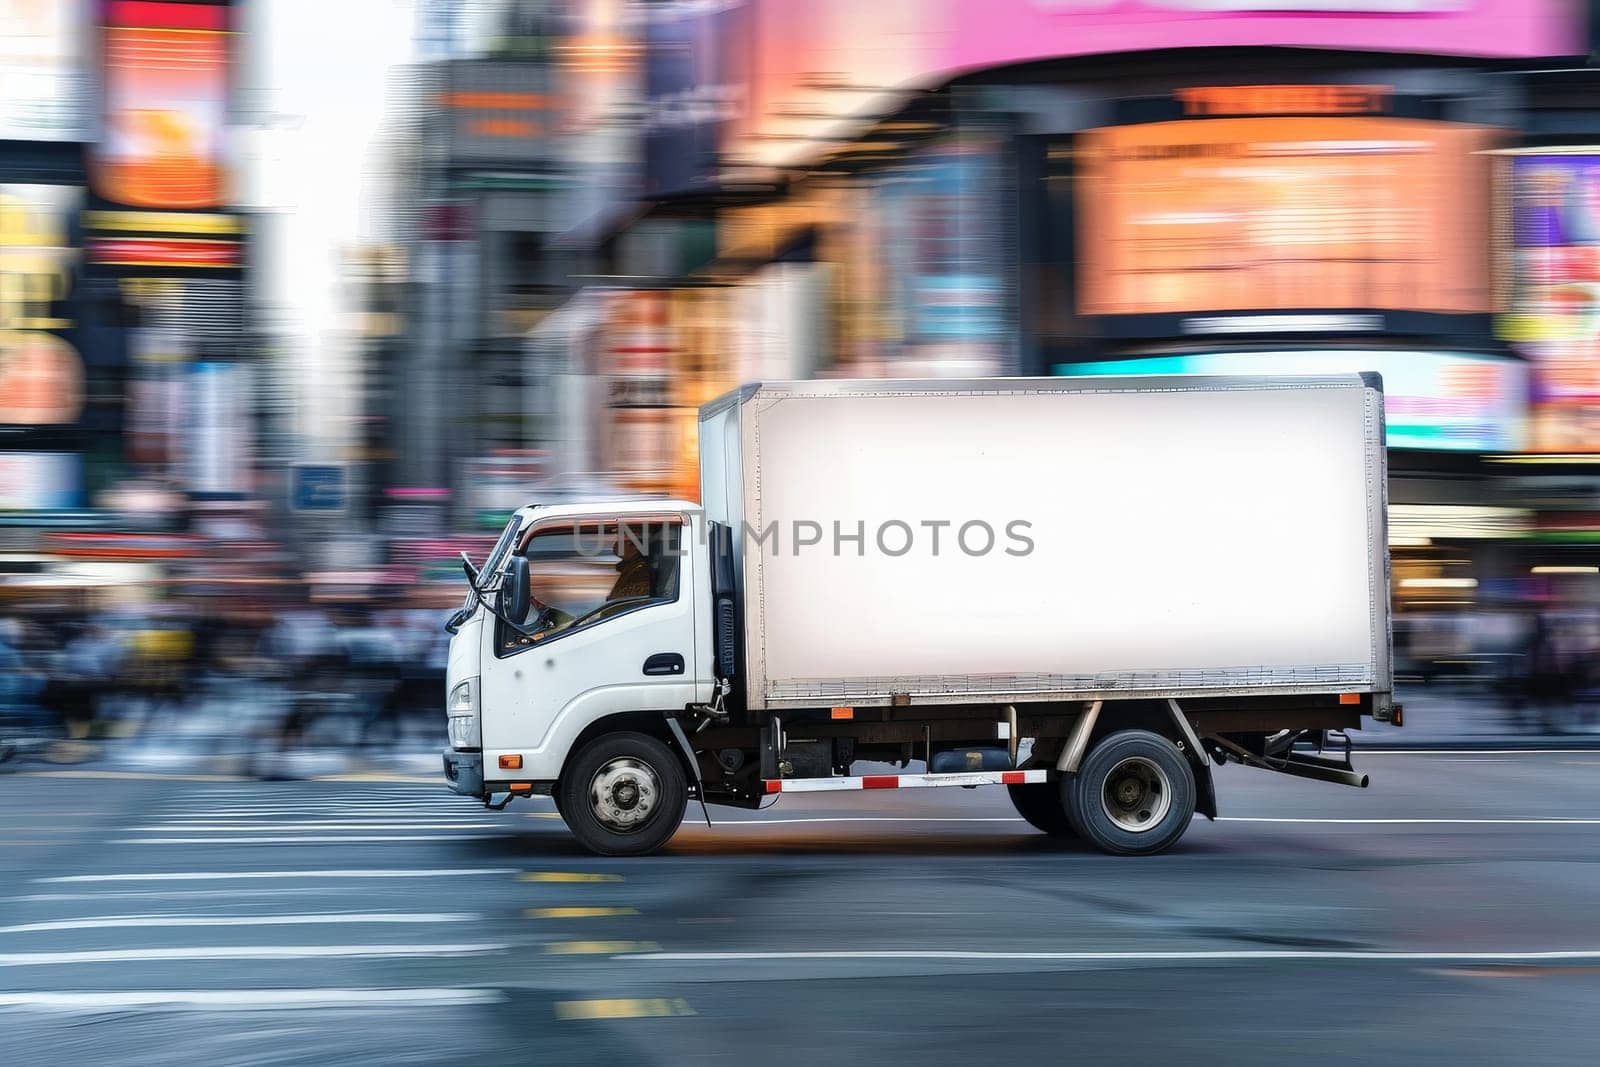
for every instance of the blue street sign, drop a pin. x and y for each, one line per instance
(316, 487)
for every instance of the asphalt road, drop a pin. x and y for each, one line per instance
(1447, 914)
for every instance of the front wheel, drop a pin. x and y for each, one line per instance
(1133, 796)
(623, 794)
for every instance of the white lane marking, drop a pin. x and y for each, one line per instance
(246, 999)
(243, 952)
(315, 796)
(219, 876)
(1197, 956)
(303, 797)
(1532, 821)
(1220, 818)
(367, 807)
(327, 816)
(321, 918)
(343, 839)
(1361, 751)
(234, 893)
(342, 812)
(313, 824)
(722, 823)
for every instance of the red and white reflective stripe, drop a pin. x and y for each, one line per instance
(907, 781)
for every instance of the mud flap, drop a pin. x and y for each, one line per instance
(694, 765)
(1205, 792)
(1205, 799)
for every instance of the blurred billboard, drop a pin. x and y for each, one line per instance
(1552, 309)
(499, 112)
(990, 32)
(1265, 214)
(219, 439)
(41, 374)
(43, 77)
(695, 78)
(827, 62)
(1441, 401)
(166, 104)
(40, 481)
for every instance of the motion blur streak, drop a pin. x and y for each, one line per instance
(302, 300)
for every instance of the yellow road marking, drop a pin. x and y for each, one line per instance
(567, 876)
(646, 1008)
(599, 948)
(577, 913)
(542, 815)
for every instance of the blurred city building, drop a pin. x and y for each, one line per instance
(581, 219)
(127, 359)
(957, 188)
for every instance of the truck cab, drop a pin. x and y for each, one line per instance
(584, 617)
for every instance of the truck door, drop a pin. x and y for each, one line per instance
(610, 629)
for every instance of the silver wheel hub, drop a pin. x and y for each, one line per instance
(1137, 794)
(624, 793)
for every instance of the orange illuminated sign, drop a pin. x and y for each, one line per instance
(1268, 214)
(164, 252)
(166, 100)
(1285, 100)
(498, 101)
(41, 375)
(501, 114)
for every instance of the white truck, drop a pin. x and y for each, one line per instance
(1090, 591)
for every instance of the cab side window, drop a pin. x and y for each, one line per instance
(582, 575)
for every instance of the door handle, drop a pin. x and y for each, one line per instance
(664, 663)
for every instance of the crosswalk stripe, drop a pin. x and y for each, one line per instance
(315, 824)
(351, 839)
(334, 918)
(219, 876)
(341, 810)
(244, 952)
(245, 999)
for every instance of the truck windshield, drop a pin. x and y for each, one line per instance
(486, 573)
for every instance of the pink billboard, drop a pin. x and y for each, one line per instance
(992, 32)
(818, 64)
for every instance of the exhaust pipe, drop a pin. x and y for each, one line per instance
(1319, 770)
(1301, 765)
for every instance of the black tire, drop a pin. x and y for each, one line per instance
(620, 772)
(1040, 804)
(1144, 780)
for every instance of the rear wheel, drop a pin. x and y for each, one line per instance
(1134, 795)
(623, 795)
(1040, 804)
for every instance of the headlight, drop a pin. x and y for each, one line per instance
(463, 731)
(462, 709)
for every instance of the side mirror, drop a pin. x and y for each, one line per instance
(517, 591)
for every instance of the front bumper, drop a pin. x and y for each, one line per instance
(463, 772)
